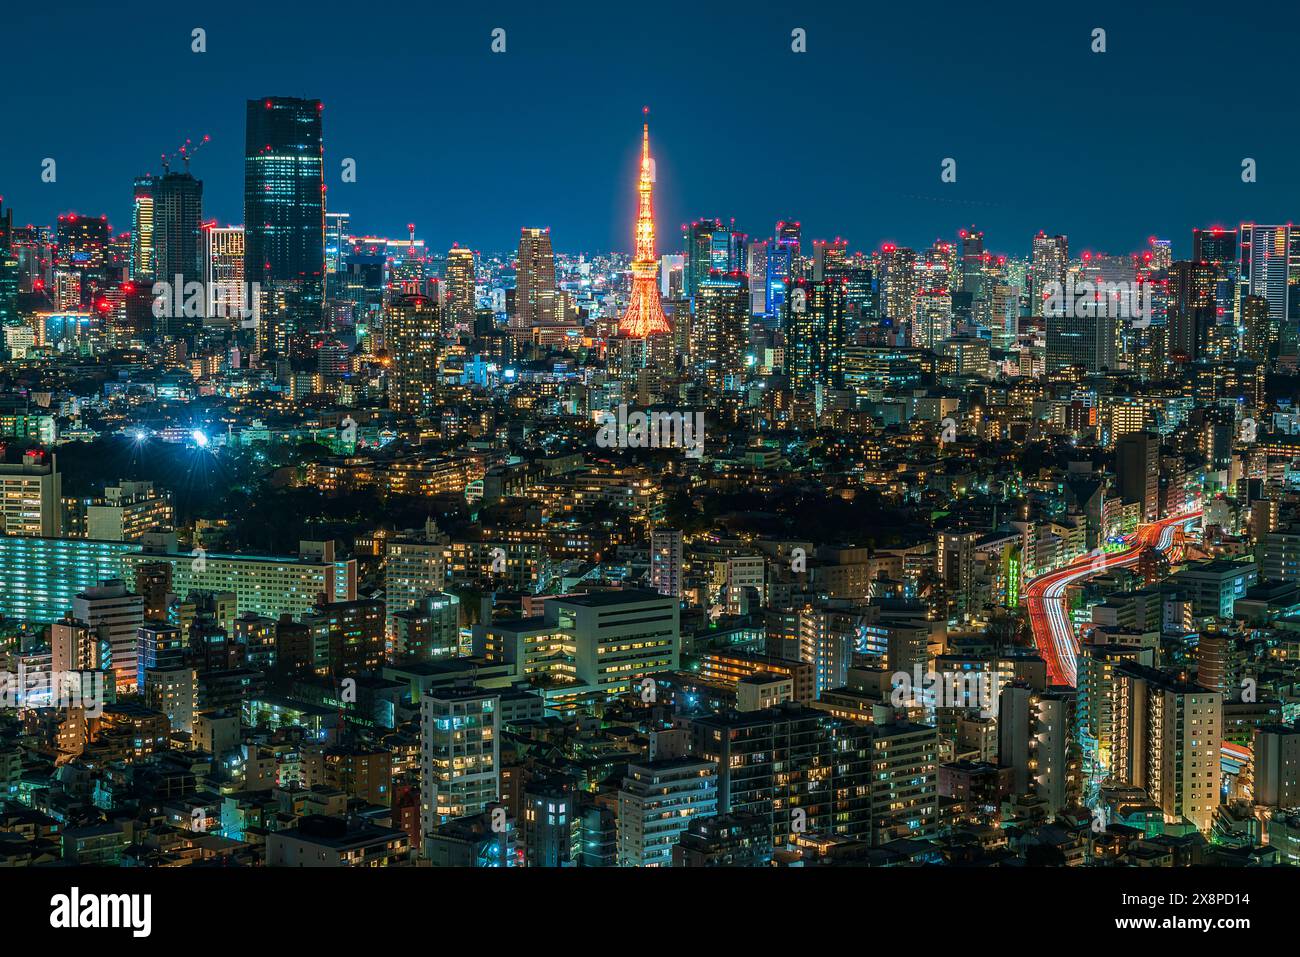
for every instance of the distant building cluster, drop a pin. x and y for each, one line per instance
(325, 549)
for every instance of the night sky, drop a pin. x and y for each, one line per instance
(1111, 148)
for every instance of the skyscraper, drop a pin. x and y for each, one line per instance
(813, 321)
(645, 313)
(721, 330)
(1270, 269)
(460, 287)
(223, 271)
(1218, 247)
(1076, 338)
(142, 227)
(757, 268)
(898, 282)
(336, 250)
(1049, 262)
(284, 213)
(535, 295)
(1137, 470)
(413, 334)
(8, 272)
(1191, 310)
(177, 226)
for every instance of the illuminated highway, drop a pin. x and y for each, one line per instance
(1045, 595)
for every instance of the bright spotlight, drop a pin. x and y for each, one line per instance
(199, 438)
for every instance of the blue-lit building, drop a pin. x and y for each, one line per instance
(42, 575)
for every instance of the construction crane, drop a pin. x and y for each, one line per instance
(185, 152)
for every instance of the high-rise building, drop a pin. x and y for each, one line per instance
(428, 630)
(1192, 310)
(114, 615)
(645, 317)
(829, 256)
(9, 273)
(657, 802)
(703, 238)
(1256, 329)
(536, 299)
(223, 274)
(142, 228)
(813, 319)
(768, 763)
(783, 263)
(1077, 339)
(414, 569)
(31, 496)
(721, 331)
(413, 335)
(1036, 735)
(898, 283)
(1050, 259)
(460, 288)
(666, 561)
(159, 644)
(128, 510)
(1167, 736)
(550, 823)
(1137, 471)
(460, 753)
(1218, 247)
(904, 780)
(974, 277)
(933, 320)
(1270, 268)
(757, 269)
(74, 647)
(82, 243)
(178, 229)
(284, 214)
(618, 636)
(336, 251)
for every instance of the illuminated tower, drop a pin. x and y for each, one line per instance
(645, 313)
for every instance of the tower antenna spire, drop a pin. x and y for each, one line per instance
(645, 312)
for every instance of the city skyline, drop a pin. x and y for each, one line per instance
(659, 437)
(875, 180)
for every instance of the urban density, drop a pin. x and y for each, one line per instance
(736, 545)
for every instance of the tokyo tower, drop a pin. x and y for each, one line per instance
(645, 313)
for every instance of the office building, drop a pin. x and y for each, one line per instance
(284, 214)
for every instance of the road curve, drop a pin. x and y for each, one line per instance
(1045, 595)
